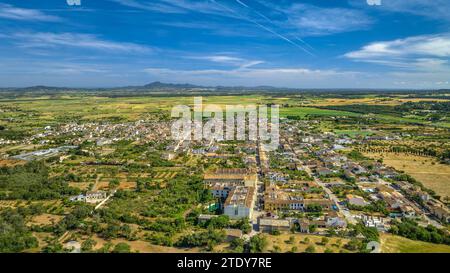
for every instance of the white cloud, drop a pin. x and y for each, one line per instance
(228, 60)
(427, 52)
(435, 9)
(221, 59)
(306, 78)
(75, 40)
(15, 13)
(175, 6)
(313, 20)
(288, 77)
(152, 6)
(430, 45)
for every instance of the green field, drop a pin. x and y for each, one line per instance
(310, 111)
(353, 133)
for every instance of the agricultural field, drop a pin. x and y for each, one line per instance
(397, 244)
(427, 170)
(299, 243)
(303, 112)
(119, 147)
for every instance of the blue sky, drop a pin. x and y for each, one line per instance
(301, 44)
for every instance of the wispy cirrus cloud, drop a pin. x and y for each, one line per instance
(74, 40)
(228, 60)
(174, 6)
(235, 29)
(310, 20)
(436, 9)
(15, 13)
(150, 6)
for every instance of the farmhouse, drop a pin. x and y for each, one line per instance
(95, 196)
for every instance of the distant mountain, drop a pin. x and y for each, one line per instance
(161, 85)
(160, 88)
(153, 86)
(38, 88)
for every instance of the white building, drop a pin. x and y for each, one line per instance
(239, 203)
(95, 196)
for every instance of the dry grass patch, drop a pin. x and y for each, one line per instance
(11, 162)
(397, 244)
(432, 174)
(282, 242)
(44, 219)
(80, 185)
(143, 246)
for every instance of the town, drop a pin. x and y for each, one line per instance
(123, 183)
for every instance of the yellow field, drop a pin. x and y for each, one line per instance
(11, 163)
(81, 185)
(434, 176)
(44, 219)
(371, 101)
(397, 244)
(284, 246)
(144, 247)
(165, 175)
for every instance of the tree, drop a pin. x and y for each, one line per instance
(105, 248)
(53, 247)
(291, 240)
(410, 229)
(354, 244)
(310, 249)
(324, 241)
(331, 232)
(114, 183)
(218, 222)
(257, 244)
(244, 225)
(15, 236)
(122, 248)
(276, 249)
(328, 250)
(305, 241)
(237, 245)
(88, 245)
(210, 237)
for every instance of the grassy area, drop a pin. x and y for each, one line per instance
(397, 244)
(143, 246)
(282, 243)
(353, 133)
(304, 111)
(391, 101)
(433, 175)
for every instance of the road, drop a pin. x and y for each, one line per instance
(347, 214)
(105, 200)
(257, 206)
